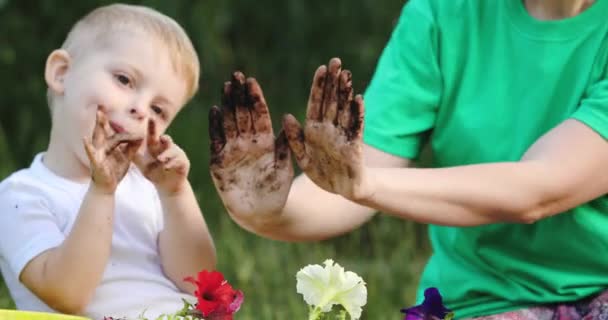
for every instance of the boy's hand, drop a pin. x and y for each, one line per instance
(163, 163)
(251, 170)
(329, 147)
(109, 155)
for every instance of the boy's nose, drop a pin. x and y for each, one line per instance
(137, 113)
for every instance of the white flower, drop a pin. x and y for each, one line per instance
(323, 287)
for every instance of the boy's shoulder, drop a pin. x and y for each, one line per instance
(37, 187)
(24, 197)
(24, 183)
(21, 179)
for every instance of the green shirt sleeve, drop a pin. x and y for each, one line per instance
(402, 98)
(593, 110)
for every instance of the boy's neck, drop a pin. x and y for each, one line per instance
(556, 9)
(64, 163)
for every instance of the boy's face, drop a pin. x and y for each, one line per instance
(131, 79)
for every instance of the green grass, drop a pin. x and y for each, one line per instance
(5, 300)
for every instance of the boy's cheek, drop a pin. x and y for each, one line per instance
(102, 93)
(86, 118)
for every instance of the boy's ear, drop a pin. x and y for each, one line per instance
(57, 65)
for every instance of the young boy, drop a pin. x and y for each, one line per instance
(109, 225)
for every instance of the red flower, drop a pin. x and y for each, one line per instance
(217, 300)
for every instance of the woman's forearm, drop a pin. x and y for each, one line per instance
(465, 195)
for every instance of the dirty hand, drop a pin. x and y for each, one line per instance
(109, 154)
(251, 170)
(328, 148)
(163, 162)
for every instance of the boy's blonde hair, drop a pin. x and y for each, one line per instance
(97, 26)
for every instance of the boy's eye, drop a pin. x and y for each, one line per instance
(157, 109)
(123, 79)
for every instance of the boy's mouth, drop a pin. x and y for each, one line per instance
(116, 127)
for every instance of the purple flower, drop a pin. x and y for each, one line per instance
(432, 308)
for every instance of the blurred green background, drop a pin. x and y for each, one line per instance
(280, 43)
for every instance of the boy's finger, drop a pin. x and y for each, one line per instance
(153, 140)
(105, 124)
(281, 151)
(89, 149)
(165, 142)
(149, 168)
(259, 111)
(168, 154)
(117, 139)
(173, 163)
(330, 95)
(228, 112)
(119, 153)
(239, 97)
(313, 111)
(132, 148)
(345, 96)
(355, 129)
(295, 137)
(216, 131)
(99, 133)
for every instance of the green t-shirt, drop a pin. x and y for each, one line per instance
(481, 80)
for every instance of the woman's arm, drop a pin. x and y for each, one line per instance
(565, 168)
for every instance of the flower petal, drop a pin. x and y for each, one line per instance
(326, 286)
(207, 307)
(431, 307)
(312, 282)
(433, 303)
(210, 281)
(235, 305)
(209, 294)
(353, 300)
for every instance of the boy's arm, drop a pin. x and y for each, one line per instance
(185, 244)
(66, 276)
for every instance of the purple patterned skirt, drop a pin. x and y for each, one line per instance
(593, 308)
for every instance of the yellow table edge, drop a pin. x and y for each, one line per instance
(32, 315)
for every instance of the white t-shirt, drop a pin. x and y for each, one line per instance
(37, 212)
